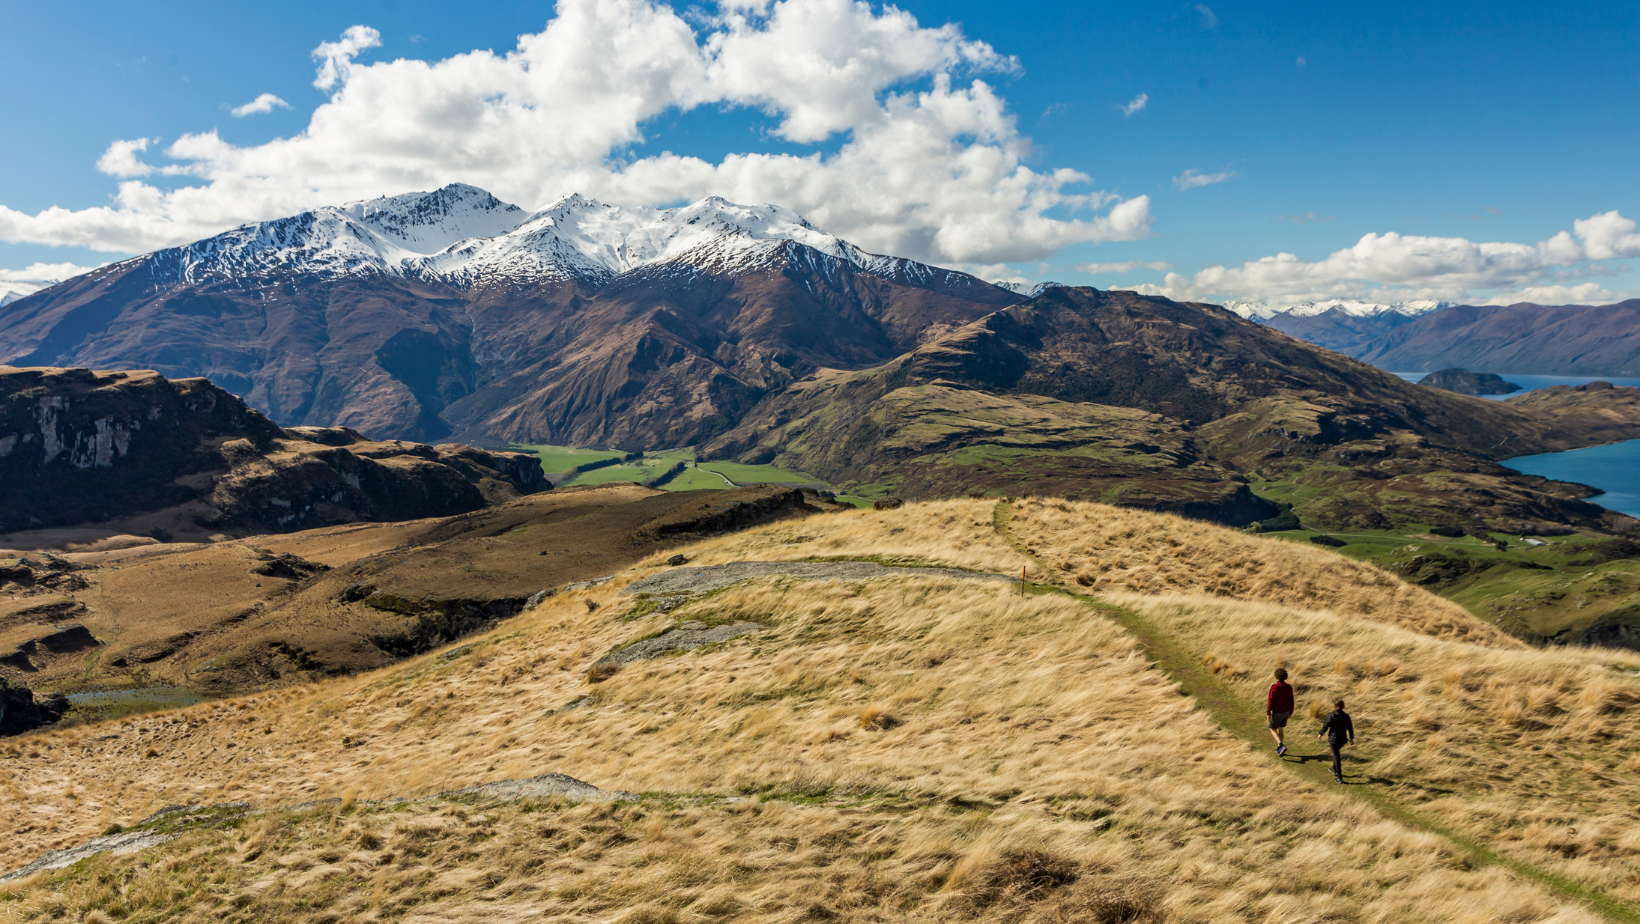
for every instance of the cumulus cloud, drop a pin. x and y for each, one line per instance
(1192, 179)
(925, 158)
(335, 59)
(121, 158)
(1126, 266)
(1399, 267)
(267, 102)
(1136, 104)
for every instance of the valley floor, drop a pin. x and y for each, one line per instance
(1085, 746)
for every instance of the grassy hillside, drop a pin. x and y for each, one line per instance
(927, 746)
(1577, 588)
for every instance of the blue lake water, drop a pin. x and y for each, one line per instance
(1614, 468)
(1534, 382)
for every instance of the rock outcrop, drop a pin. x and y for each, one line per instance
(21, 711)
(78, 447)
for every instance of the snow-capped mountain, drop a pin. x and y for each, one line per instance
(464, 236)
(452, 311)
(1265, 308)
(1341, 324)
(7, 297)
(1027, 289)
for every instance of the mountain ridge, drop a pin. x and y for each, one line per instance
(397, 317)
(1523, 339)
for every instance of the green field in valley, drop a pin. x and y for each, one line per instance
(556, 459)
(705, 475)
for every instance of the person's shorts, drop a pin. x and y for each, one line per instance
(1279, 719)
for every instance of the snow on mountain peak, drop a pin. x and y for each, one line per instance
(1264, 309)
(462, 235)
(426, 223)
(1028, 289)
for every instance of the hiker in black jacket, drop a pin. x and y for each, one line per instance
(1338, 730)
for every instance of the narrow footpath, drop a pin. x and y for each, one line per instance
(1242, 720)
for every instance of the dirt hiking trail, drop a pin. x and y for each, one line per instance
(1242, 720)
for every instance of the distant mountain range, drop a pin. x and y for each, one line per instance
(1580, 340)
(1425, 336)
(1337, 324)
(750, 334)
(451, 312)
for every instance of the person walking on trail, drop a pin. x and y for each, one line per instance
(1339, 731)
(1278, 706)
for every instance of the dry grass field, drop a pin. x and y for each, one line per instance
(209, 617)
(914, 748)
(1097, 548)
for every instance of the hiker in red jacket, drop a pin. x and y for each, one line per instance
(1279, 707)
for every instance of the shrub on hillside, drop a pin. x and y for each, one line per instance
(1286, 519)
(1328, 541)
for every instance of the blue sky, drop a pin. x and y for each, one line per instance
(1473, 122)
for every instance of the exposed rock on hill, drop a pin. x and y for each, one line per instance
(1465, 382)
(185, 459)
(1147, 402)
(423, 315)
(20, 711)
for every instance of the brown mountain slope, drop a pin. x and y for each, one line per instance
(669, 356)
(665, 355)
(1525, 339)
(1148, 402)
(134, 452)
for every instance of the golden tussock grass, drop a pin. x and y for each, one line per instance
(1097, 548)
(907, 749)
(953, 533)
(1529, 751)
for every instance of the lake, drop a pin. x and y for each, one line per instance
(1614, 468)
(1533, 382)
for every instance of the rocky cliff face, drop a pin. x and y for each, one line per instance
(78, 446)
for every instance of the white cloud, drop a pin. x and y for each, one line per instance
(1126, 266)
(931, 163)
(1396, 267)
(336, 58)
(37, 276)
(264, 103)
(1136, 104)
(1210, 19)
(1192, 179)
(121, 158)
(1587, 293)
